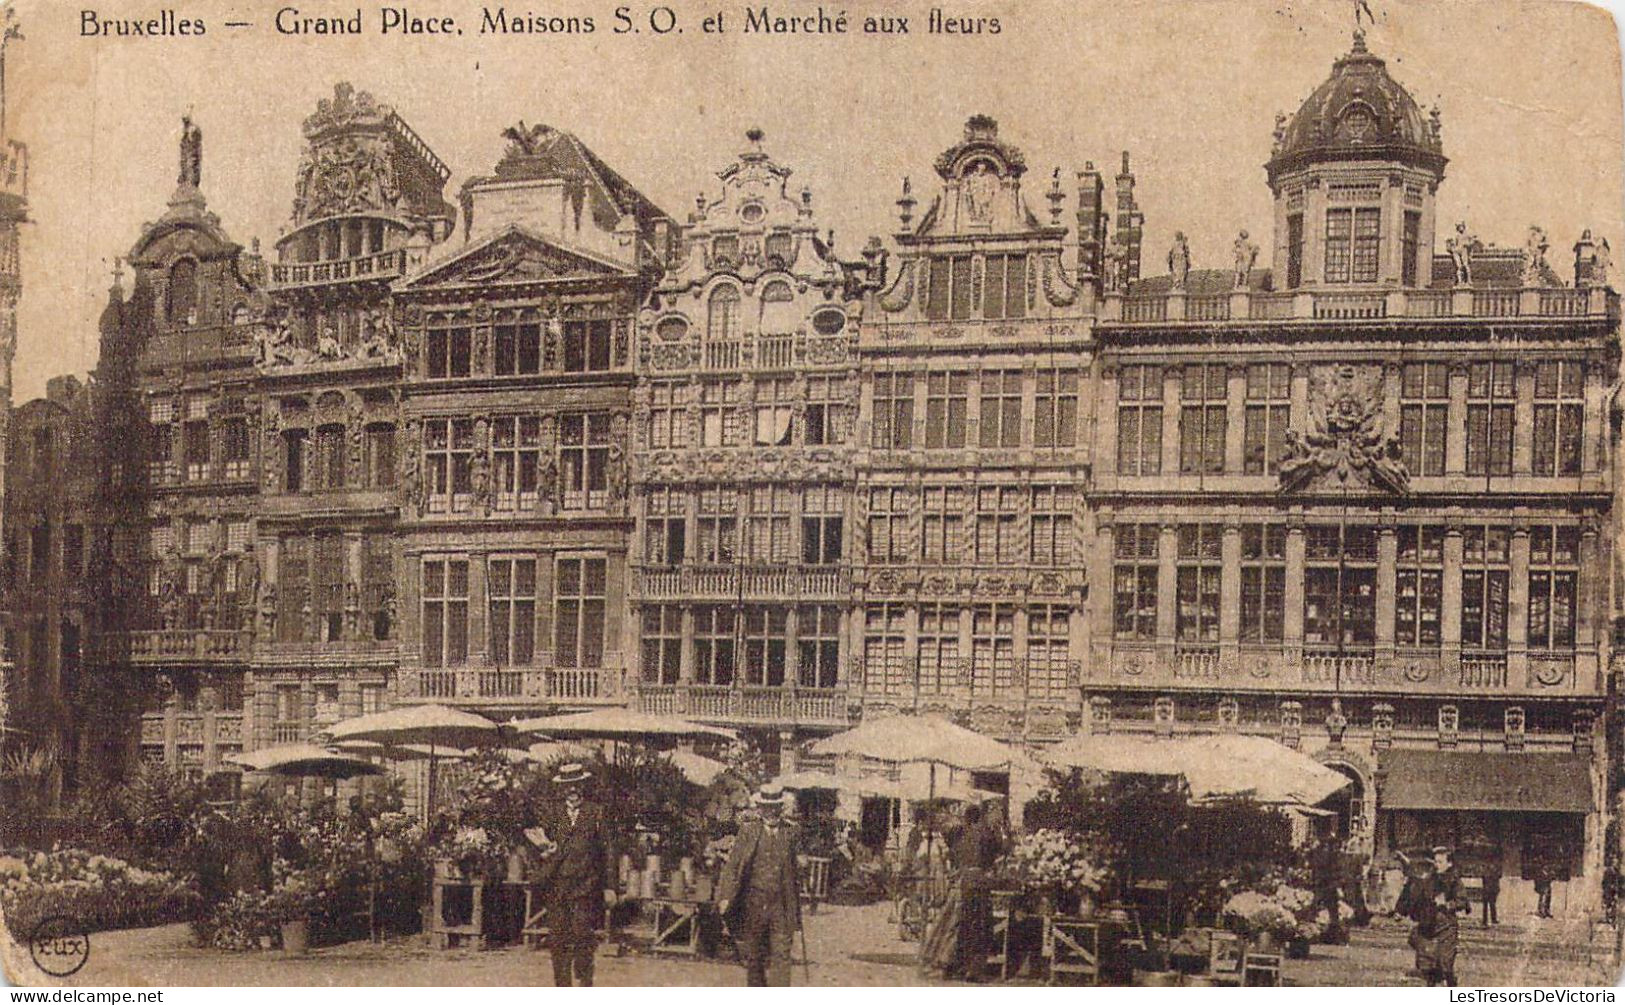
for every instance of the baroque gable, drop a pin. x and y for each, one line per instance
(513, 256)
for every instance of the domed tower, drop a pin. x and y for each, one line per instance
(1354, 175)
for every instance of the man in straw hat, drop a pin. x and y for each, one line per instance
(577, 874)
(759, 895)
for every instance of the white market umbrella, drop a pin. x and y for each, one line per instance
(617, 724)
(901, 739)
(1214, 767)
(304, 760)
(436, 726)
(697, 768)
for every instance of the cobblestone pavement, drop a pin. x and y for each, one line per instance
(847, 946)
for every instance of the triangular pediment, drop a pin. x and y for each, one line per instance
(514, 255)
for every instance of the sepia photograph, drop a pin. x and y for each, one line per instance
(735, 494)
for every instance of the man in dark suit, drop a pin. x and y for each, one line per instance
(577, 874)
(759, 895)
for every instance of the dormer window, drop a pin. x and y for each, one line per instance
(182, 298)
(1353, 242)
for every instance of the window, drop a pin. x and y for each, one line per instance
(1340, 586)
(445, 612)
(1410, 243)
(722, 316)
(1490, 411)
(888, 525)
(327, 703)
(662, 644)
(665, 527)
(1352, 244)
(818, 644)
(584, 459)
(73, 549)
(1055, 418)
(43, 460)
(778, 309)
(1200, 560)
(448, 451)
(717, 526)
(1418, 585)
(767, 525)
(1484, 582)
(714, 645)
(943, 525)
(39, 551)
(161, 459)
(1052, 525)
(1294, 251)
(1263, 582)
(1202, 396)
(447, 352)
(288, 709)
(234, 446)
(1424, 408)
(327, 600)
(885, 668)
(196, 433)
(1134, 573)
(1005, 293)
(293, 458)
(512, 589)
(518, 348)
(820, 540)
(380, 455)
(293, 585)
(996, 529)
(1559, 417)
(825, 420)
(993, 648)
(586, 346)
(773, 406)
(948, 292)
(239, 536)
(378, 585)
(181, 298)
(372, 698)
(196, 539)
(718, 424)
(1553, 576)
(947, 407)
(578, 634)
(894, 411)
(1001, 408)
(766, 641)
(938, 661)
(1139, 420)
(330, 452)
(1268, 412)
(1049, 649)
(668, 415)
(516, 460)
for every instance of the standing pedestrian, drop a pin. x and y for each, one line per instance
(1543, 875)
(1326, 872)
(975, 853)
(759, 896)
(1432, 898)
(1492, 889)
(577, 875)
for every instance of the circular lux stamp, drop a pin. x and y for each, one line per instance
(59, 945)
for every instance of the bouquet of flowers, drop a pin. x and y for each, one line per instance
(1055, 860)
(475, 851)
(1282, 912)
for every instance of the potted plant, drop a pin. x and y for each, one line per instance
(289, 905)
(1058, 867)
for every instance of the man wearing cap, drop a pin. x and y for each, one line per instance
(1432, 897)
(759, 895)
(577, 875)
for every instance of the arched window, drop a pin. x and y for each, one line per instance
(182, 298)
(778, 308)
(722, 323)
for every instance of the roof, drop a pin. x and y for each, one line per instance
(540, 151)
(1201, 283)
(1485, 780)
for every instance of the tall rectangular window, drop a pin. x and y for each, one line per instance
(1340, 586)
(293, 459)
(818, 641)
(767, 525)
(197, 450)
(1491, 407)
(1559, 417)
(1409, 248)
(1203, 392)
(1554, 573)
(1424, 411)
(827, 419)
(1055, 417)
(662, 643)
(1005, 289)
(993, 648)
(234, 446)
(380, 455)
(293, 586)
(586, 346)
(1139, 420)
(512, 626)
(665, 527)
(1353, 244)
(1134, 574)
(668, 414)
(39, 552)
(1268, 413)
(821, 525)
(1001, 408)
(947, 406)
(943, 525)
(516, 461)
(1051, 525)
(1049, 649)
(1339, 232)
(719, 422)
(1263, 582)
(327, 587)
(584, 459)
(888, 525)
(714, 645)
(1484, 584)
(948, 294)
(774, 397)
(445, 612)
(330, 456)
(1418, 585)
(1367, 244)
(893, 411)
(766, 641)
(937, 667)
(517, 349)
(885, 642)
(578, 612)
(447, 352)
(448, 455)
(996, 526)
(1200, 561)
(1294, 251)
(717, 525)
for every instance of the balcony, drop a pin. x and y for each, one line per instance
(968, 682)
(383, 265)
(744, 705)
(487, 686)
(1363, 305)
(742, 582)
(184, 645)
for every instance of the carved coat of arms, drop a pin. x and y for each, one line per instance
(1347, 443)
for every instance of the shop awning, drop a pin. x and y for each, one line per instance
(1482, 780)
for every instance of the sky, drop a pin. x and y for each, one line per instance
(1529, 93)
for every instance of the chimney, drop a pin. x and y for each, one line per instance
(1130, 222)
(1091, 225)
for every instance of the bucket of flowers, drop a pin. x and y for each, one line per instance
(1269, 917)
(473, 853)
(289, 904)
(1058, 867)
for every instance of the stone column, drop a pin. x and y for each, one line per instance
(788, 755)
(1029, 406)
(1292, 617)
(1455, 431)
(1105, 405)
(1170, 421)
(792, 647)
(1523, 426)
(1450, 600)
(1098, 660)
(1298, 416)
(1235, 421)
(1595, 438)
(1587, 638)
(1387, 562)
(1167, 590)
(685, 663)
(1518, 605)
(973, 410)
(1230, 594)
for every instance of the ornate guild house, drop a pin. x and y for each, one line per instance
(549, 448)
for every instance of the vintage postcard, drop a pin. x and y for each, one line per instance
(779, 493)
